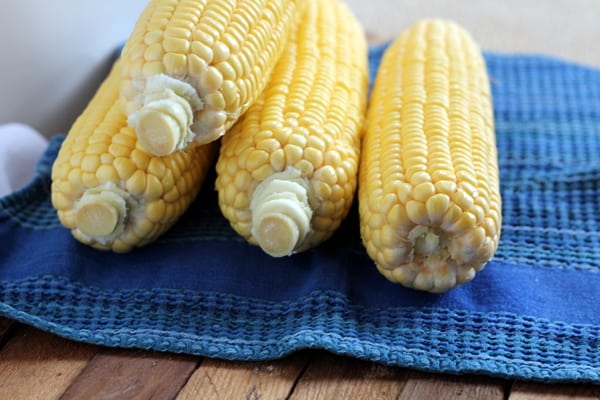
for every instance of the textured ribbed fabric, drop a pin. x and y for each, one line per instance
(532, 313)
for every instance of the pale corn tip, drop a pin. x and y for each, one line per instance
(277, 234)
(100, 213)
(97, 219)
(158, 132)
(280, 214)
(163, 123)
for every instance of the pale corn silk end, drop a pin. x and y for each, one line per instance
(429, 191)
(287, 170)
(191, 69)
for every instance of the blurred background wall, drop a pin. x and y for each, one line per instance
(54, 53)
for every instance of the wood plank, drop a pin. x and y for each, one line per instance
(449, 387)
(132, 374)
(218, 379)
(337, 377)
(539, 391)
(39, 365)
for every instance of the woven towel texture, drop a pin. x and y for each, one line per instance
(200, 289)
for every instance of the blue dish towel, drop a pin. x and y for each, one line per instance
(532, 313)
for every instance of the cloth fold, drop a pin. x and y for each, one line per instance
(200, 289)
(20, 148)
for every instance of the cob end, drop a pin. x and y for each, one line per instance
(158, 132)
(100, 213)
(439, 260)
(277, 234)
(280, 214)
(163, 123)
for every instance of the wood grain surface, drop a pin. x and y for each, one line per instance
(41, 366)
(132, 374)
(219, 379)
(335, 377)
(538, 391)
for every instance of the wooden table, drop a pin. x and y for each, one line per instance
(39, 365)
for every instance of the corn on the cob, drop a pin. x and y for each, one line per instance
(109, 192)
(429, 200)
(192, 67)
(287, 171)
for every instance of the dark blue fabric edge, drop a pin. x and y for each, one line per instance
(330, 328)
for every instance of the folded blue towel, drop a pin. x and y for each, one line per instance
(532, 313)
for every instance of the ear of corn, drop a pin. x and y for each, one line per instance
(191, 68)
(429, 200)
(287, 170)
(111, 193)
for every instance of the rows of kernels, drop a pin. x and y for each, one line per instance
(225, 49)
(308, 119)
(434, 86)
(100, 149)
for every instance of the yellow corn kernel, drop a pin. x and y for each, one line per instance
(125, 205)
(191, 68)
(286, 175)
(429, 145)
